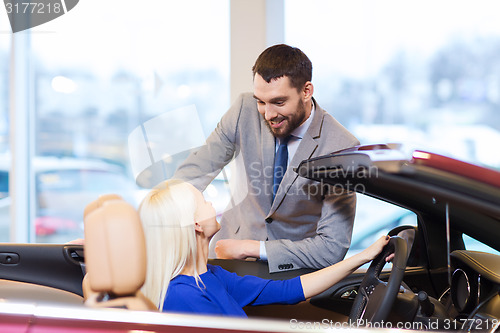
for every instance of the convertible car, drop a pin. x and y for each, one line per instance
(436, 281)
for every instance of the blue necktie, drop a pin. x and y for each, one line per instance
(280, 163)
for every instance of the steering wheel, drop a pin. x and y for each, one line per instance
(376, 297)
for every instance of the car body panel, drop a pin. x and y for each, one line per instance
(54, 319)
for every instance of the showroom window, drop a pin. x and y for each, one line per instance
(422, 73)
(5, 42)
(99, 72)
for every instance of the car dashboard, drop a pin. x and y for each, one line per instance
(474, 295)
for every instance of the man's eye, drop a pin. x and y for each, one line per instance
(279, 103)
(260, 102)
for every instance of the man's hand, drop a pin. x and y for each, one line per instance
(237, 249)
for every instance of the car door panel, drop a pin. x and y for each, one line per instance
(57, 266)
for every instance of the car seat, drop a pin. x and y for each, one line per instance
(115, 257)
(87, 210)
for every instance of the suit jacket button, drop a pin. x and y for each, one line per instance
(280, 267)
(269, 220)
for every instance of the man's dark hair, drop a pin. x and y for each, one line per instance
(283, 60)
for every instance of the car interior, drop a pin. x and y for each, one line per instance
(54, 274)
(433, 279)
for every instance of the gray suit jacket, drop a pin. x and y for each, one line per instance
(309, 224)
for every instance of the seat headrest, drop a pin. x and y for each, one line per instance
(115, 249)
(99, 202)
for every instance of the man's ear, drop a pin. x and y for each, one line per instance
(308, 91)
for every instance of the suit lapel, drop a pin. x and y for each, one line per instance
(268, 151)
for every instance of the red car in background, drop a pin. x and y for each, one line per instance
(63, 187)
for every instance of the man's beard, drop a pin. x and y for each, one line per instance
(290, 122)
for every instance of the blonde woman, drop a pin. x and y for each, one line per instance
(178, 224)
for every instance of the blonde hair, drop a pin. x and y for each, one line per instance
(168, 216)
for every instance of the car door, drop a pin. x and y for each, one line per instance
(50, 265)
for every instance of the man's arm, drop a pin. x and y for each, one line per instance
(237, 249)
(203, 165)
(328, 246)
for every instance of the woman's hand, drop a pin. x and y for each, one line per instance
(373, 250)
(319, 281)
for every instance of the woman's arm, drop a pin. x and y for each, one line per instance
(319, 281)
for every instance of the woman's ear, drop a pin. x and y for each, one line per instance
(198, 227)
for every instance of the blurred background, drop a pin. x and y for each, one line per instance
(422, 73)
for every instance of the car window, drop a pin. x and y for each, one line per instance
(375, 218)
(475, 245)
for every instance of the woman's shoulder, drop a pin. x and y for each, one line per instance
(183, 295)
(180, 286)
(215, 269)
(219, 271)
(182, 280)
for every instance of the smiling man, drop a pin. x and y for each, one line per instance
(291, 222)
(282, 107)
